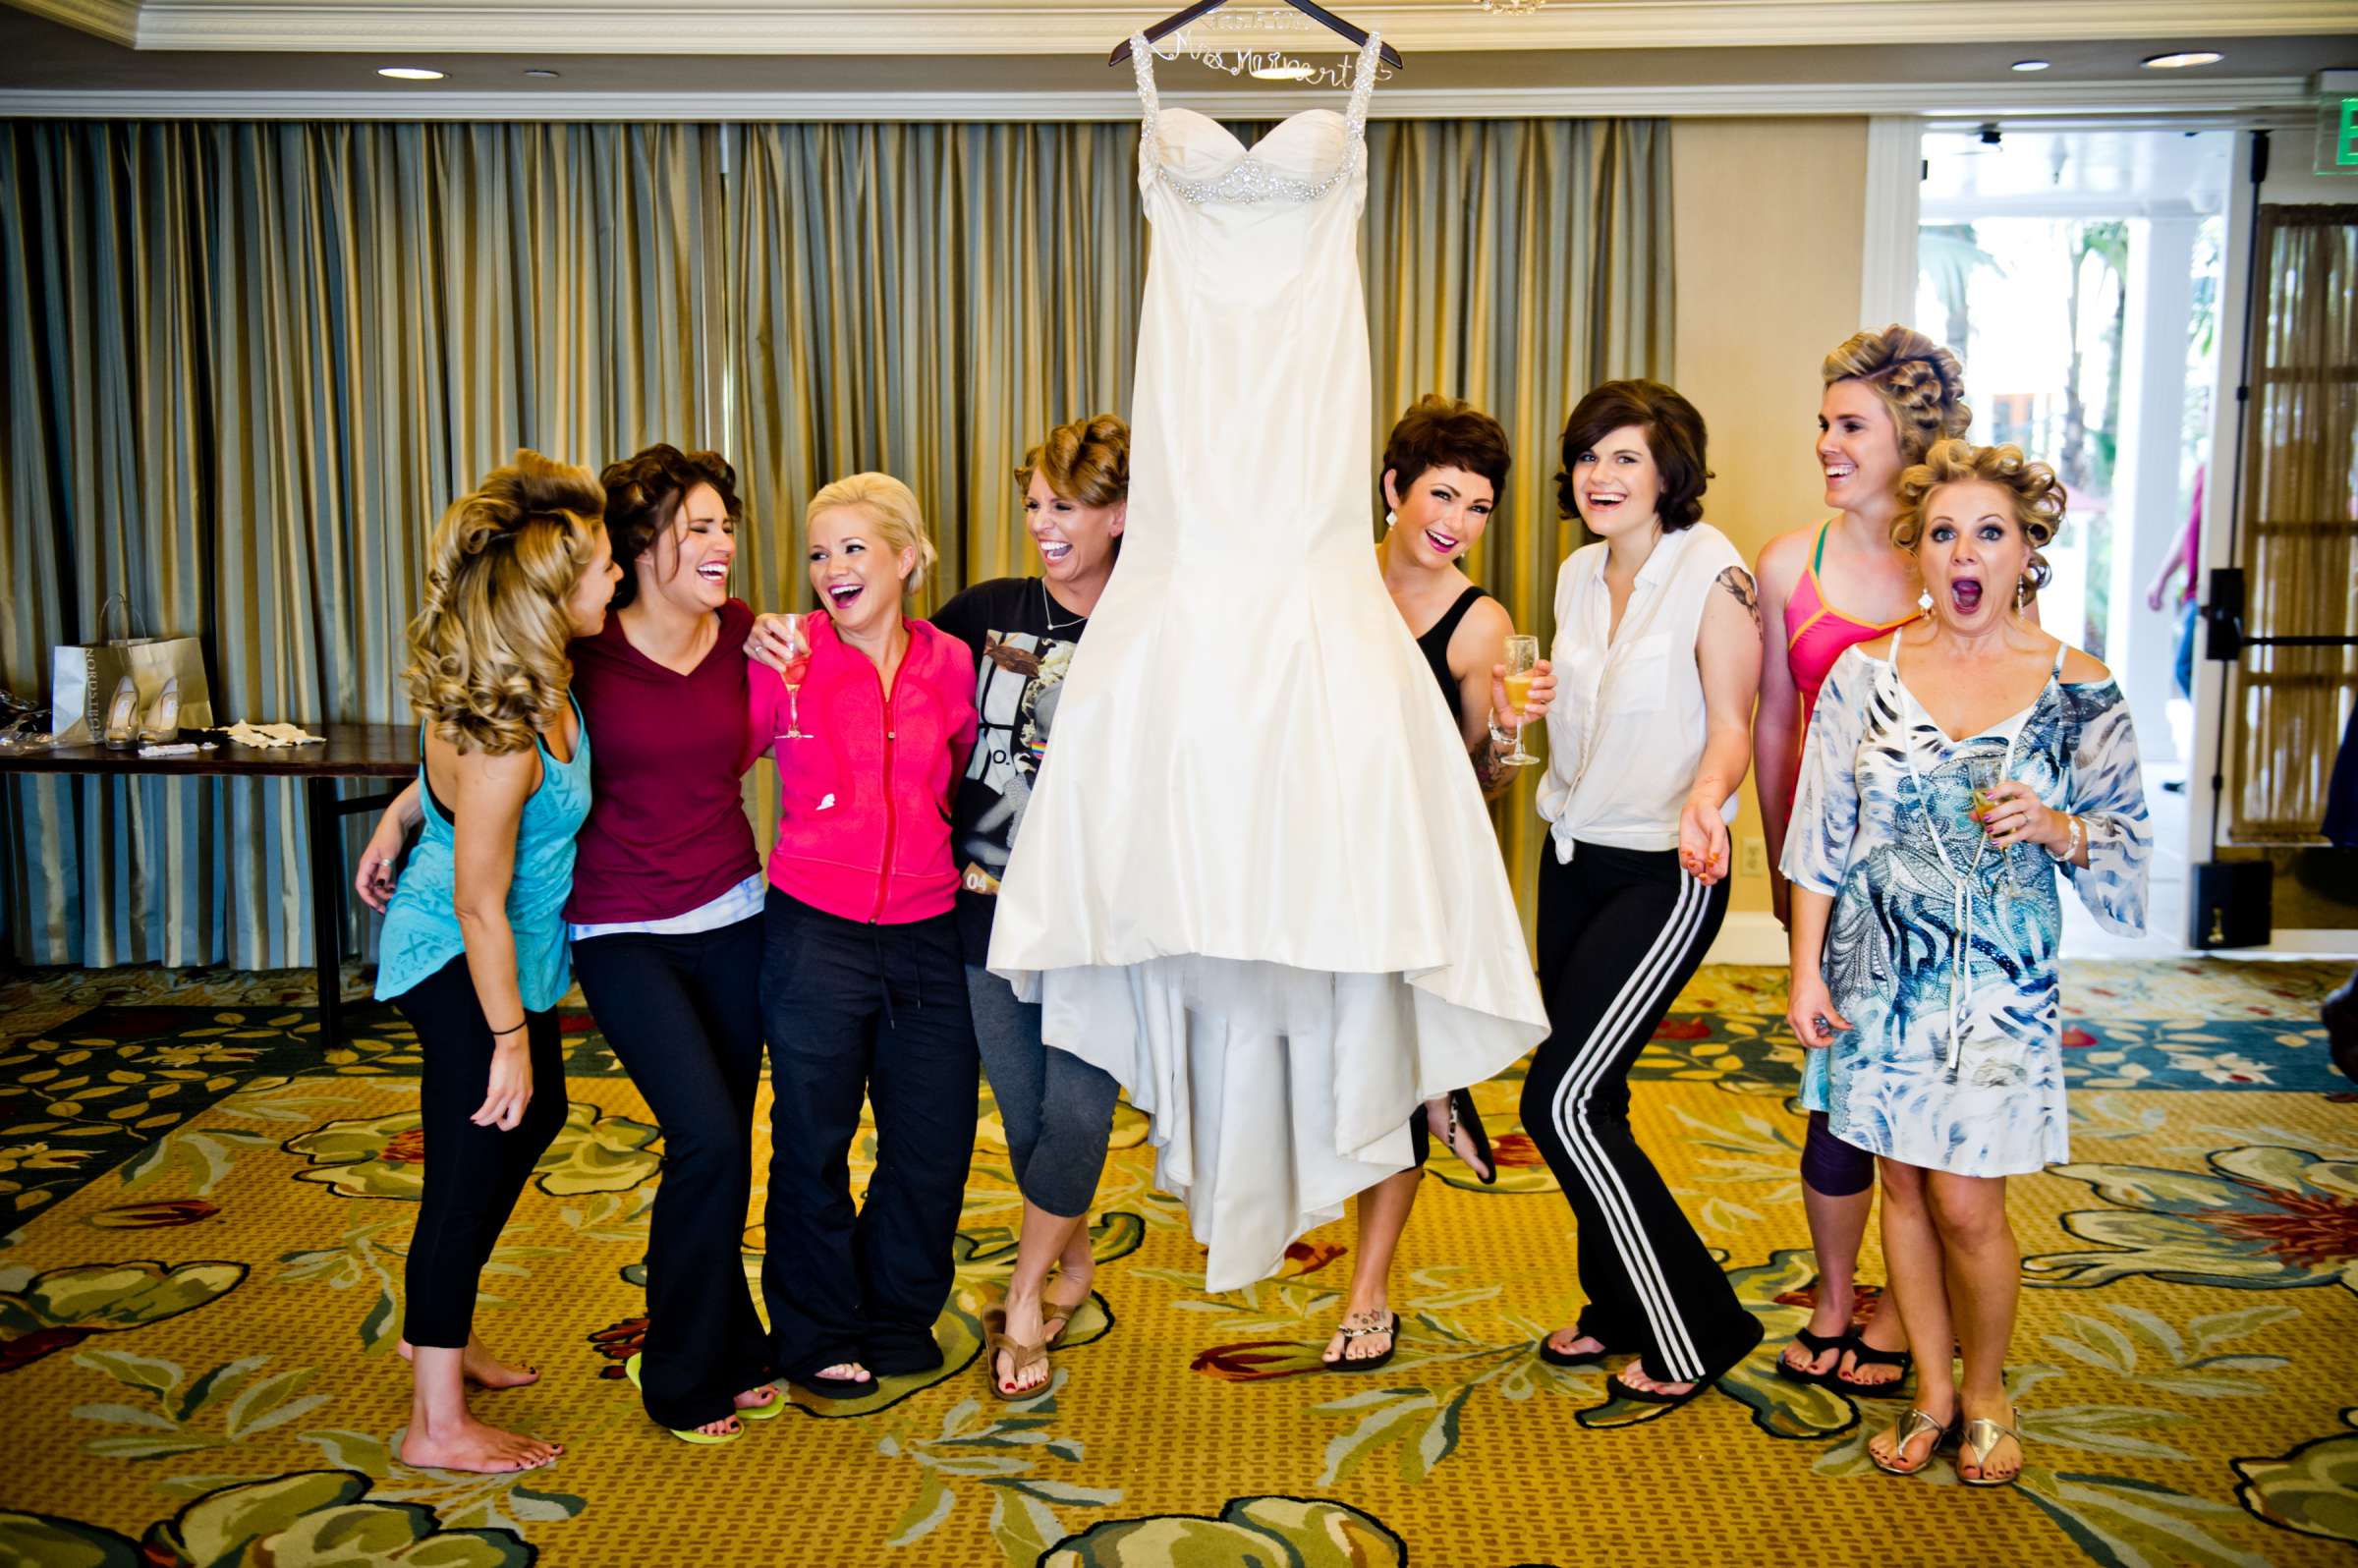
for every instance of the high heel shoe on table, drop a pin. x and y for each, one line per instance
(162, 727)
(122, 730)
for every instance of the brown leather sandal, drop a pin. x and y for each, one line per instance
(1025, 1358)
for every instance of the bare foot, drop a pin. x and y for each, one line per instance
(1570, 1341)
(1634, 1375)
(760, 1398)
(484, 1370)
(845, 1371)
(1376, 1335)
(471, 1445)
(2003, 1459)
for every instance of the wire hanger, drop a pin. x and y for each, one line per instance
(1317, 13)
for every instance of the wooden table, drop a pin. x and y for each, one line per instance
(352, 751)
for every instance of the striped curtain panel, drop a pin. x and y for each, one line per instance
(248, 366)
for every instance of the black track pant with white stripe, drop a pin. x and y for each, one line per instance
(1619, 933)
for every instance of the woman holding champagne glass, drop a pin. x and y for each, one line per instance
(1444, 467)
(861, 987)
(1954, 769)
(1657, 624)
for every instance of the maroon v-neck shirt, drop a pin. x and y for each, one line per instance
(667, 830)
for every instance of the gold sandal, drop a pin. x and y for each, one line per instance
(1914, 1425)
(1981, 1435)
(995, 1339)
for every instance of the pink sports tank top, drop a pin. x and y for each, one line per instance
(1817, 633)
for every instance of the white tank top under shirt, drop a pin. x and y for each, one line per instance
(1626, 733)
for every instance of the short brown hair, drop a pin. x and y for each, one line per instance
(1086, 462)
(2039, 497)
(1920, 382)
(644, 492)
(1674, 434)
(1438, 432)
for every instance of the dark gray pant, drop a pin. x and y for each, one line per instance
(1057, 1110)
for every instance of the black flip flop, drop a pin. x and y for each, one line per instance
(1463, 1114)
(1865, 1354)
(1570, 1358)
(1818, 1345)
(1344, 1363)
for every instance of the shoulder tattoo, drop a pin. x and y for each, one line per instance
(1738, 584)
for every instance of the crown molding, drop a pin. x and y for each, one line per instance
(1088, 26)
(2225, 100)
(115, 20)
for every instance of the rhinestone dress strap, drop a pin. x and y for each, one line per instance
(1142, 64)
(1363, 85)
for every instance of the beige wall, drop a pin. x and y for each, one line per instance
(1770, 222)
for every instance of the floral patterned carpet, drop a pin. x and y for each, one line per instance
(200, 1298)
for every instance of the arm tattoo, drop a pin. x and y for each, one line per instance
(1738, 582)
(1489, 770)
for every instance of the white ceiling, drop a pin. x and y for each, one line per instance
(1044, 59)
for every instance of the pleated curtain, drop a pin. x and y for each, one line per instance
(246, 366)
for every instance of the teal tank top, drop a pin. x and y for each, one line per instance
(422, 923)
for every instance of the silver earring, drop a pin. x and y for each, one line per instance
(1924, 601)
(2018, 596)
(1391, 520)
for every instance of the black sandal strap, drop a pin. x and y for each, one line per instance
(1819, 1344)
(1865, 1354)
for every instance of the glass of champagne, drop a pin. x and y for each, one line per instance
(798, 665)
(1522, 657)
(1984, 774)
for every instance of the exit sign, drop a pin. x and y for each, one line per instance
(2336, 121)
(2346, 135)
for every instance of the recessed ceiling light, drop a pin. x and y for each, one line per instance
(1296, 72)
(409, 72)
(2179, 62)
(2030, 64)
(541, 71)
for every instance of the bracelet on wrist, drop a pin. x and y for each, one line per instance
(2072, 842)
(502, 1033)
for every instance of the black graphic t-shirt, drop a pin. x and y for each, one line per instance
(1023, 644)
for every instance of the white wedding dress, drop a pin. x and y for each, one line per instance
(1256, 882)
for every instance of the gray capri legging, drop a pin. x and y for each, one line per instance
(1057, 1110)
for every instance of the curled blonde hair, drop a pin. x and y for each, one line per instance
(1086, 461)
(487, 666)
(2037, 496)
(892, 507)
(1921, 383)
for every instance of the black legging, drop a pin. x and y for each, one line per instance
(1620, 932)
(473, 1174)
(684, 1016)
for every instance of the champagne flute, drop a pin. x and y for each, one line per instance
(1522, 657)
(1984, 773)
(798, 665)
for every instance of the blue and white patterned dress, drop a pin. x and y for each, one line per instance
(1941, 955)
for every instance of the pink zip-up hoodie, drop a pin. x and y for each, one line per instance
(864, 799)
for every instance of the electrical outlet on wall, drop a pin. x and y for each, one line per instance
(1756, 858)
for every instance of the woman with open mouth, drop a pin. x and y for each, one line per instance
(665, 917)
(1444, 468)
(861, 984)
(1889, 395)
(1660, 641)
(1057, 1110)
(1954, 768)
